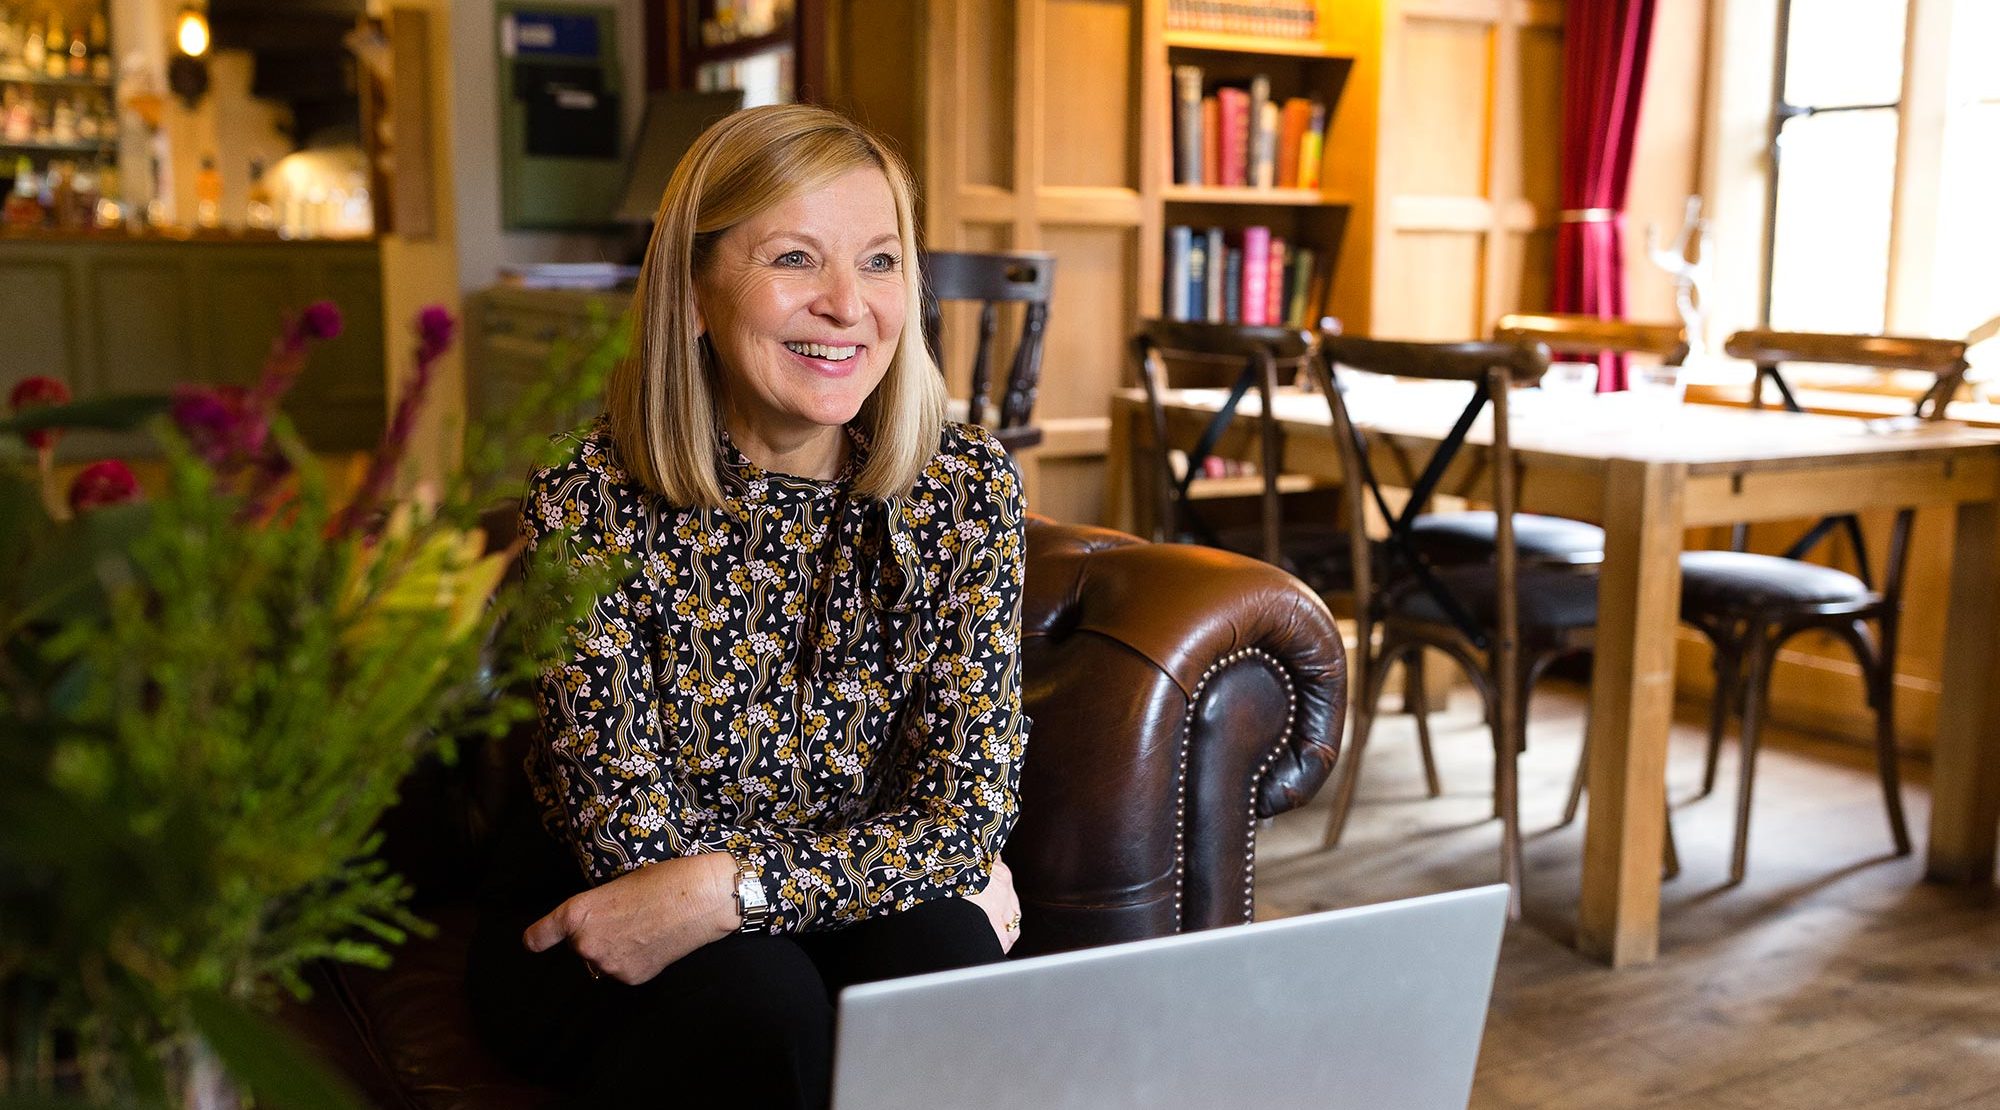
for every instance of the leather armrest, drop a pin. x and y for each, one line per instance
(1178, 694)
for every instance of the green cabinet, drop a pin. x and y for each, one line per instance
(144, 315)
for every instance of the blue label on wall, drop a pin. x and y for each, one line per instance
(531, 33)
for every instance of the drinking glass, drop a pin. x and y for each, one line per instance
(1570, 379)
(1658, 384)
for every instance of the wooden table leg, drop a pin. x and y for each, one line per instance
(1632, 698)
(1965, 766)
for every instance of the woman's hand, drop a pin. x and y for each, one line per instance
(1002, 908)
(632, 927)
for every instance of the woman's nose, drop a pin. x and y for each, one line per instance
(840, 297)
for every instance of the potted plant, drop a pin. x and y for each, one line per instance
(209, 693)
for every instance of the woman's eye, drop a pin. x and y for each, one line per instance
(884, 263)
(793, 258)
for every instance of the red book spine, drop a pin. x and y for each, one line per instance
(1256, 275)
(1211, 142)
(1274, 285)
(1233, 105)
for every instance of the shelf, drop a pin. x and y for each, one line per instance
(58, 82)
(1250, 44)
(1219, 194)
(93, 147)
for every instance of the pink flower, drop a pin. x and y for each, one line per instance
(321, 320)
(435, 329)
(34, 393)
(218, 422)
(109, 482)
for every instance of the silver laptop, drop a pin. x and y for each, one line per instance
(1378, 1006)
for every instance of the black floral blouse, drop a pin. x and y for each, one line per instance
(824, 684)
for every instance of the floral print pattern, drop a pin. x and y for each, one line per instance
(825, 685)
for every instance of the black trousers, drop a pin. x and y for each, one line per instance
(744, 1022)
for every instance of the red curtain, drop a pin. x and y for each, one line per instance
(1604, 70)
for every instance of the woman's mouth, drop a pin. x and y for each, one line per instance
(823, 351)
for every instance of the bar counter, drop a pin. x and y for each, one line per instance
(112, 311)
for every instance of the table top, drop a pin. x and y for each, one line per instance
(1590, 430)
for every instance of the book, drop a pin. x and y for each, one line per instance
(1187, 125)
(1259, 141)
(1211, 142)
(1312, 147)
(1298, 308)
(1212, 311)
(1274, 288)
(1197, 275)
(1292, 122)
(1232, 285)
(1233, 105)
(1180, 243)
(1256, 274)
(1266, 176)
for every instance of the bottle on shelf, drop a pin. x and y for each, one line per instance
(55, 61)
(62, 122)
(79, 56)
(261, 213)
(34, 48)
(17, 116)
(11, 33)
(23, 210)
(110, 205)
(100, 47)
(208, 194)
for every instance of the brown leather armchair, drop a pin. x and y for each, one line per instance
(1179, 694)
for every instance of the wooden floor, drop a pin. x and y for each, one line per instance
(1833, 977)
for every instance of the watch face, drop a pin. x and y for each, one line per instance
(751, 892)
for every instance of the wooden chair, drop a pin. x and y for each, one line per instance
(1022, 277)
(1468, 536)
(1505, 621)
(1242, 359)
(1749, 605)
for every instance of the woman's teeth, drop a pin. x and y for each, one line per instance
(821, 350)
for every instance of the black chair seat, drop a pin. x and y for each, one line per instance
(1552, 602)
(1317, 554)
(1722, 582)
(1468, 537)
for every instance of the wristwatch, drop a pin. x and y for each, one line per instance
(750, 901)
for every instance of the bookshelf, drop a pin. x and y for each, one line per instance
(1335, 67)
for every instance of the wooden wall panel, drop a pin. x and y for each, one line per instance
(1096, 281)
(1444, 76)
(984, 108)
(1539, 87)
(1085, 104)
(1430, 285)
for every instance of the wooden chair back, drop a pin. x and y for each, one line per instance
(991, 280)
(1591, 335)
(1943, 359)
(1492, 369)
(1171, 354)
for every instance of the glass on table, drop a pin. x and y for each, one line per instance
(1657, 384)
(1570, 379)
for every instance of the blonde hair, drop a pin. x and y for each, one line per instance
(662, 401)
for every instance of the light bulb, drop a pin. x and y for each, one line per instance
(191, 34)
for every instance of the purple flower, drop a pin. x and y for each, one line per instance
(435, 329)
(34, 393)
(109, 482)
(218, 422)
(320, 321)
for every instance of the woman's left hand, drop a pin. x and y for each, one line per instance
(632, 927)
(1002, 906)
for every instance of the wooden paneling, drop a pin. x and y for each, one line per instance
(1096, 279)
(984, 106)
(145, 333)
(1430, 285)
(1088, 83)
(37, 299)
(1443, 92)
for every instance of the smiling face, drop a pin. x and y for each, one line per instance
(804, 304)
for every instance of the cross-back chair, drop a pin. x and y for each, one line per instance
(1242, 359)
(1503, 621)
(1748, 605)
(991, 280)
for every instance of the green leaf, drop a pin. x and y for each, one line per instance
(262, 1056)
(62, 576)
(109, 413)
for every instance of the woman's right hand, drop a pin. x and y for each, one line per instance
(632, 927)
(1003, 908)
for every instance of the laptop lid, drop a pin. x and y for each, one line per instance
(1376, 1006)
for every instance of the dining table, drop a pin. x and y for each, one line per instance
(1647, 467)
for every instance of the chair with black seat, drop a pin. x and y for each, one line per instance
(1242, 359)
(993, 279)
(1503, 621)
(1468, 536)
(1748, 605)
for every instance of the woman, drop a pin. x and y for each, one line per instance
(784, 752)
